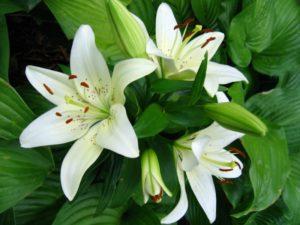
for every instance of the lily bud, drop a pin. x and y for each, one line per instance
(130, 37)
(234, 117)
(152, 182)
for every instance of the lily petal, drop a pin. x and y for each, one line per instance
(117, 134)
(223, 171)
(210, 42)
(79, 158)
(168, 39)
(54, 86)
(224, 74)
(221, 97)
(127, 71)
(199, 144)
(60, 125)
(220, 137)
(182, 205)
(88, 64)
(189, 160)
(211, 85)
(203, 187)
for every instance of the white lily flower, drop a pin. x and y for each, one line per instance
(201, 155)
(180, 57)
(89, 107)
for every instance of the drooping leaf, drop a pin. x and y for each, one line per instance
(8, 6)
(14, 113)
(42, 204)
(4, 49)
(152, 121)
(269, 168)
(21, 172)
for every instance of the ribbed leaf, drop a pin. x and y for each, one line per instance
(8, 6)
(4, 49)
(14, 113)
(181, 8)
(139, 216)
(21, 171)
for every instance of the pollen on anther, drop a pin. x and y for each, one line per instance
(72, 76)
(86, 109)
(207, 30)
(69, 121)
(84, 84)
(48, 89)
(238, 165)
(225, 170)
(58, 114)
(185, 23)
(207, 41)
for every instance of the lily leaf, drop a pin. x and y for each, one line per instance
(4, 49)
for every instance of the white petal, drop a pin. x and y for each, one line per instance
(89, 66)
(221, 97)
(210, 42)
(51, 84)
(79, 158)
(199, 144)
(128, 71)
(226, 157)
(189, 160)
(220, 137)
(211, 85)
(203, 187)
(182, 205)
(168, 39)
(117, 134)
(50, 129)
(187, 74)
(151, 49)
(224, 74)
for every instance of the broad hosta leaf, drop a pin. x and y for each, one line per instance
(228, 10)
(181, 8)
(72, 14)
(81, 211)
(139, 216)
(266, 32)
(269, 168)
(8, 6)
(14, 113)
(21, 171)
(144, 9)
(152, 121)
(4, 49)
(7, 217)
(42, 204)
(207, 11)
(27, 4)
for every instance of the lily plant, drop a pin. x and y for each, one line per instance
(200, 156)
(89, 108)
(179, 56)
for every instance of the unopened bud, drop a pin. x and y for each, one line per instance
(152, 182)
(130, 37)
(234, 117)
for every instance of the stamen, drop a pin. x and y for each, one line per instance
(225, 170)
(58, 114)
(69, 121)
(157, 198)
(237, 151)
(238, 164)
(84, 84)
(86, 109)
(48, 89)
(225, 181)
(72, 76)
(207, 30)
(185, 23)
(207, 41)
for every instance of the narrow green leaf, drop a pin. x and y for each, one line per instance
(199, 81)
(4, 49)
(167, 86)
(21, 171)
(14, 113)
(269, 168)
(152, 121)
(8, 6)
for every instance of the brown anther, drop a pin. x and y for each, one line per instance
(238, 164)
(157, 198)
(207, 41)
(69, 121)
(84, 84)
(225, 170)
(58, 114)
(237, 151)
(225, 181)
(72, 76)
(86, 109)
(187, 35)
(207, 30)
(185, 23)
(48, 89)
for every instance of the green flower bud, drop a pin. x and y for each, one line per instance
(130, 37)
(152, 182)
(234, 117)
